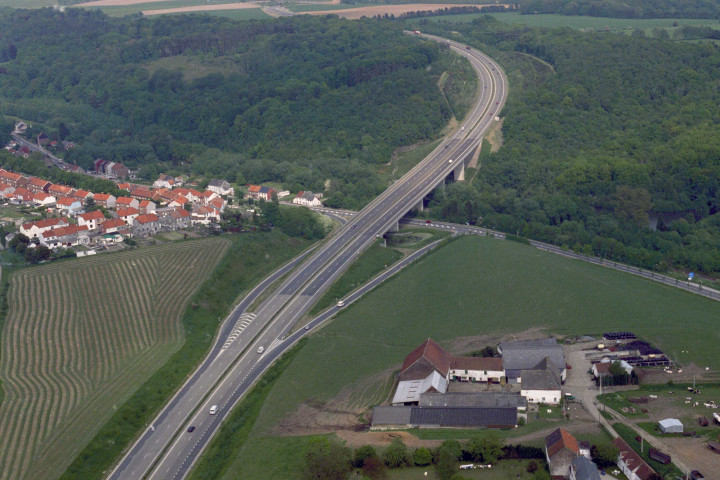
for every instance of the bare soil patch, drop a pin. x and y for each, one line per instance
(355, 13)
(116, 3)
(202, 8)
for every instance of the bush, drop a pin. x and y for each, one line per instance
(362, 454)
(396, 454)
(422, 457)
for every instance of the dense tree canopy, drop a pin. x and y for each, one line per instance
(612, 147)
(625, 8)
(310, 102)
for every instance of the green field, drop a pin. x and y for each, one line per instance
(241, 14)
(582, 22)
(80, 336)
(472, 286)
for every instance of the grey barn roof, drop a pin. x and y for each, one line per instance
(527, 354)
(480, 399)
(585, 469)
(464, 416)
(540, 380)
(445, 416)
(391, 415)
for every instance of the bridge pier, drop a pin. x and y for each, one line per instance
(420, 206)
(459, 172)
(395, 227)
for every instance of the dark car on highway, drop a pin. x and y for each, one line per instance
(191, 429)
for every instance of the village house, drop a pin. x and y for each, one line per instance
(82, 195)
(631, 463)
(147, 206)
(217, 203)
(307, 198)
(194, 196)
(175, 218)
(35, 184)
(6, 190)
(42, 199)
(111, 169)
(42, 139)
(204, 216)
(22, 195)
(60, 191)
(221, 187)
(128, 214)
(208, 196)
(65, 236)
(582, 468)
(69, 205)
(104, 200)
(142, 193)
(12, 179)
(33, 229)
(561, 448)
(127, 202)
(124, 186)
(147, 224)
(179, 201)
(166, 181)
(113, 225)
(92, 220)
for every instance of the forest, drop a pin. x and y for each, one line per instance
(311, 103)
(612, 147)
(624, 8)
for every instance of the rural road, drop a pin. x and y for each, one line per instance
(166, 451)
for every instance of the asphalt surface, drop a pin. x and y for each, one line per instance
(166, 450)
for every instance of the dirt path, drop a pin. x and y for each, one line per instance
(203, 8)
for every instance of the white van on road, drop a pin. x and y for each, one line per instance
(213, 410)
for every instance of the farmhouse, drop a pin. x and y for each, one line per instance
(561, 449)
(630, 463)
(582, 468)
(477, 369)
(425, 369)
(671, 425)
(221, 187)
(307, 198)
(528, 354)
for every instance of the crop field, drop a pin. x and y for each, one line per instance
(473, 287)
(80, 336)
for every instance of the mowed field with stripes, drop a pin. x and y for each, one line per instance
(80, 336)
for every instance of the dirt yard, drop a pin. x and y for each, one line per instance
(355, 13)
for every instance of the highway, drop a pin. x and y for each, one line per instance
(166, 450)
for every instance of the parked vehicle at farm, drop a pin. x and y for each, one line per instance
(659, 456)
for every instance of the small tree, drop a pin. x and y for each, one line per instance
(374, 468)
(395, 455)
(486, 447)
(604, 455)
(453, 446)
(362, 454)
(447, 463)
(422, 457)
(326, 460)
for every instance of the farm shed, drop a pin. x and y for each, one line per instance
(671, 425)
(385, 418)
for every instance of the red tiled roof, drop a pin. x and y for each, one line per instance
(433, 353)
(102, 197)
(561, 439)
(96, 215)
(180, 200)
(633, 460)
(82, 194)
(125, 200)
(48, 222)
(179, 213)
(66, 201)
(477, 363)
(124, 186)
(62, 231)
(23, 192)
(38, 182)
(254, 188)
(147, 218)
(124, 212)
(113, 223)
(603, 367)
(145, 203)
(217, 202)
(9, 175)
(61, 189)
(41, 196)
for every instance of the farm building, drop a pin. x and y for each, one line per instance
(425, 369)
(477, 399)
(528, 354)
(631, 463)
(477, 369)
(561, 448)
(582, 468)
(542, 384)
(385, 418)
(307, 198)
(671, 425)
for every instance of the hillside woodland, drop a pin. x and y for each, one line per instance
(308, 102)
(611, 147)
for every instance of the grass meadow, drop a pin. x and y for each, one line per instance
(80, 336)
(470, 287)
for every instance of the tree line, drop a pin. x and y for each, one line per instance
(624, 8)
(312, 103)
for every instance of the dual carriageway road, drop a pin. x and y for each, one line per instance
(165, 450)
